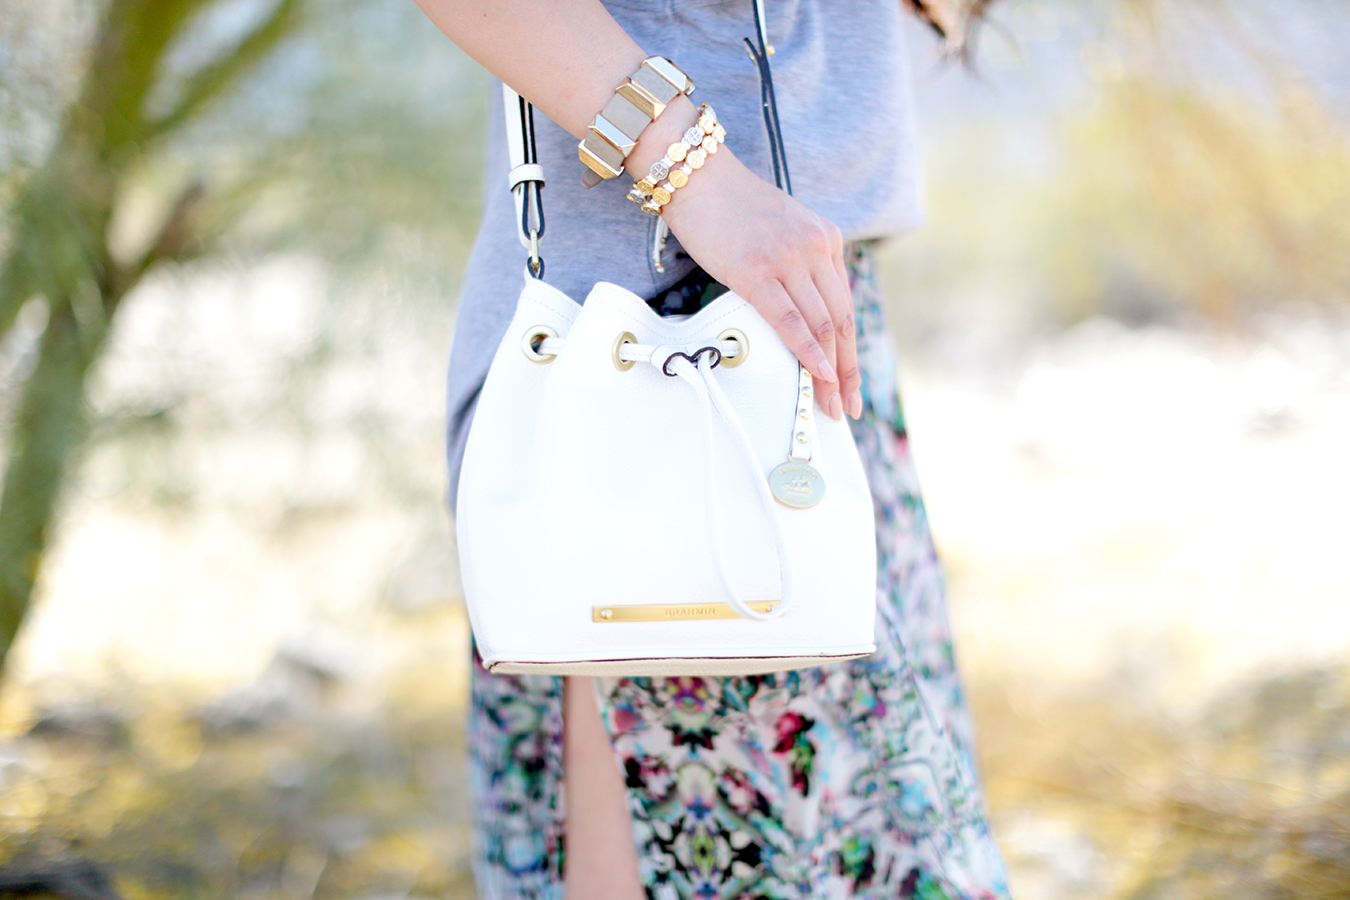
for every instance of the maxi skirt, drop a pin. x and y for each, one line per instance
(851, 780)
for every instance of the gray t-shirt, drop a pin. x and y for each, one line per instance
(842, 85)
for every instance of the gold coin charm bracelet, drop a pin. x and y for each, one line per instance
(672, 172)
(636, 103)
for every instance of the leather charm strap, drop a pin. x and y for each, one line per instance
(804, 430)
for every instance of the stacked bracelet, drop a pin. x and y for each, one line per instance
(672, 171)
(636, 103)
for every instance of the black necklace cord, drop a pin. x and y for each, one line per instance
(759, 51)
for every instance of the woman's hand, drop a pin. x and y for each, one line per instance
(784, 259)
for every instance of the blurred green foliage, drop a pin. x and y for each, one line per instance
(1218, 205)
(192, 129)
(1140, 160)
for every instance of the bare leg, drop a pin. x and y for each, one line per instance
(601, 858)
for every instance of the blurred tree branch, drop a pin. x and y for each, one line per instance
(209, 82)
(60, 254)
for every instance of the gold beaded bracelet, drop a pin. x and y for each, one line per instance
(672, 171)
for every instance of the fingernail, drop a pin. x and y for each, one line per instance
(855, 404)
(836, 408)
(825, 371)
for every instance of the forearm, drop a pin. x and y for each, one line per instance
(564, 56)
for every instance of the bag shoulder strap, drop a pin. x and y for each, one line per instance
(526, 175)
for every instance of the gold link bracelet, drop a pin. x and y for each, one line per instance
(636, 103)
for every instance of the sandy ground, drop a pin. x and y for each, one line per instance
(1155, 502)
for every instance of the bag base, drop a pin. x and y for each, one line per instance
(699, 666)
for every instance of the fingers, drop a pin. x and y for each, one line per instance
(827, 306)
(833, 287)
(851, 381)
(810, 306)
(814, 317)
(820, 322)
(797, 313)
(830, 282)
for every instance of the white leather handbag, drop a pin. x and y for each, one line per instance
(657, 496)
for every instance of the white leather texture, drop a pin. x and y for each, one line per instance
(588, 486)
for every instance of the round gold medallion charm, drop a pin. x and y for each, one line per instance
(796, 484)
(720, 133)
(677, 152)
(661, 196)
(696, 159)
(645, 187)
(709, 144)
(678, 179)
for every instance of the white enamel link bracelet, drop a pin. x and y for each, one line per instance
(636, 104)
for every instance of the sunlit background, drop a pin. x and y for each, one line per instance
(1126, 335)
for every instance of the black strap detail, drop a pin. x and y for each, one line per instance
(714, 353)
(534, 203)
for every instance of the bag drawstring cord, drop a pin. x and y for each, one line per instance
(710, 393)
(680, 362)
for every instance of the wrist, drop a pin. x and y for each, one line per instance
(693, 149)
(710, 180)
(637, 103)
(658, 136)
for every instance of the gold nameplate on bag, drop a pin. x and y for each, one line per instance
(796, 484)
(674, 612)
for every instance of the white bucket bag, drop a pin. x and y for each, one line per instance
(656, 496)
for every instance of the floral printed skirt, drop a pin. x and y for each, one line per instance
(850, 780)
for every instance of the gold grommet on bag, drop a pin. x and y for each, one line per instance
(532, 341)
(743, 342)
(623, 365)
